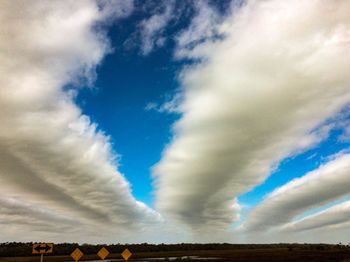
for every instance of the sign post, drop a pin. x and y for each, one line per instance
(42, 248)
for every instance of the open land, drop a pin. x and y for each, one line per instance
(240, 255)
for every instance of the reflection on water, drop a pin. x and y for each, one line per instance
(175, 258)
(154, 259)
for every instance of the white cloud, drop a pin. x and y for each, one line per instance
(151, 29)
(263, 93)
(337, 216)
(53, 160)
(344, 126)
(171, 105)
(151, 106)
(325, 184)
(204, 26)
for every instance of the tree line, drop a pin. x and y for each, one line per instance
(11, 249)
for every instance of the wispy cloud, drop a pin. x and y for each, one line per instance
(53, 159)
(262, 93)
(152, 28)
(171, 105)
(204, 26)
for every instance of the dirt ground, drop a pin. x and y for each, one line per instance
(248, 255)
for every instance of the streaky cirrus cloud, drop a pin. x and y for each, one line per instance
(52, 157)
(265, 90)
(326, 184)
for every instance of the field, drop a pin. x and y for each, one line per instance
(240, 255)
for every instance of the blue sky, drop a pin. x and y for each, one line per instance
(179, 117)
(127, 81)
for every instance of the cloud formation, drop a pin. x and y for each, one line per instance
(336, 216)
(327, 183)
(264, 92)
(170, 106)
(203, 27)
(152, 28)
(267, 80)
(53, 159)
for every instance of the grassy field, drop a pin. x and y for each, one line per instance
(263, 255)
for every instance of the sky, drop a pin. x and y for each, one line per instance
(131, 121)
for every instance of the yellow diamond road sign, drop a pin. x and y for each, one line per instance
(126, 254)
(103, 253)
(76, 254)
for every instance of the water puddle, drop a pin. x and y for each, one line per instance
(153, 259)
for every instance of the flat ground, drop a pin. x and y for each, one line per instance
(245, 255)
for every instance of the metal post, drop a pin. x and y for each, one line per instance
(42, 258)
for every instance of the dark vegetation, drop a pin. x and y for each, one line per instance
(224, 252)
